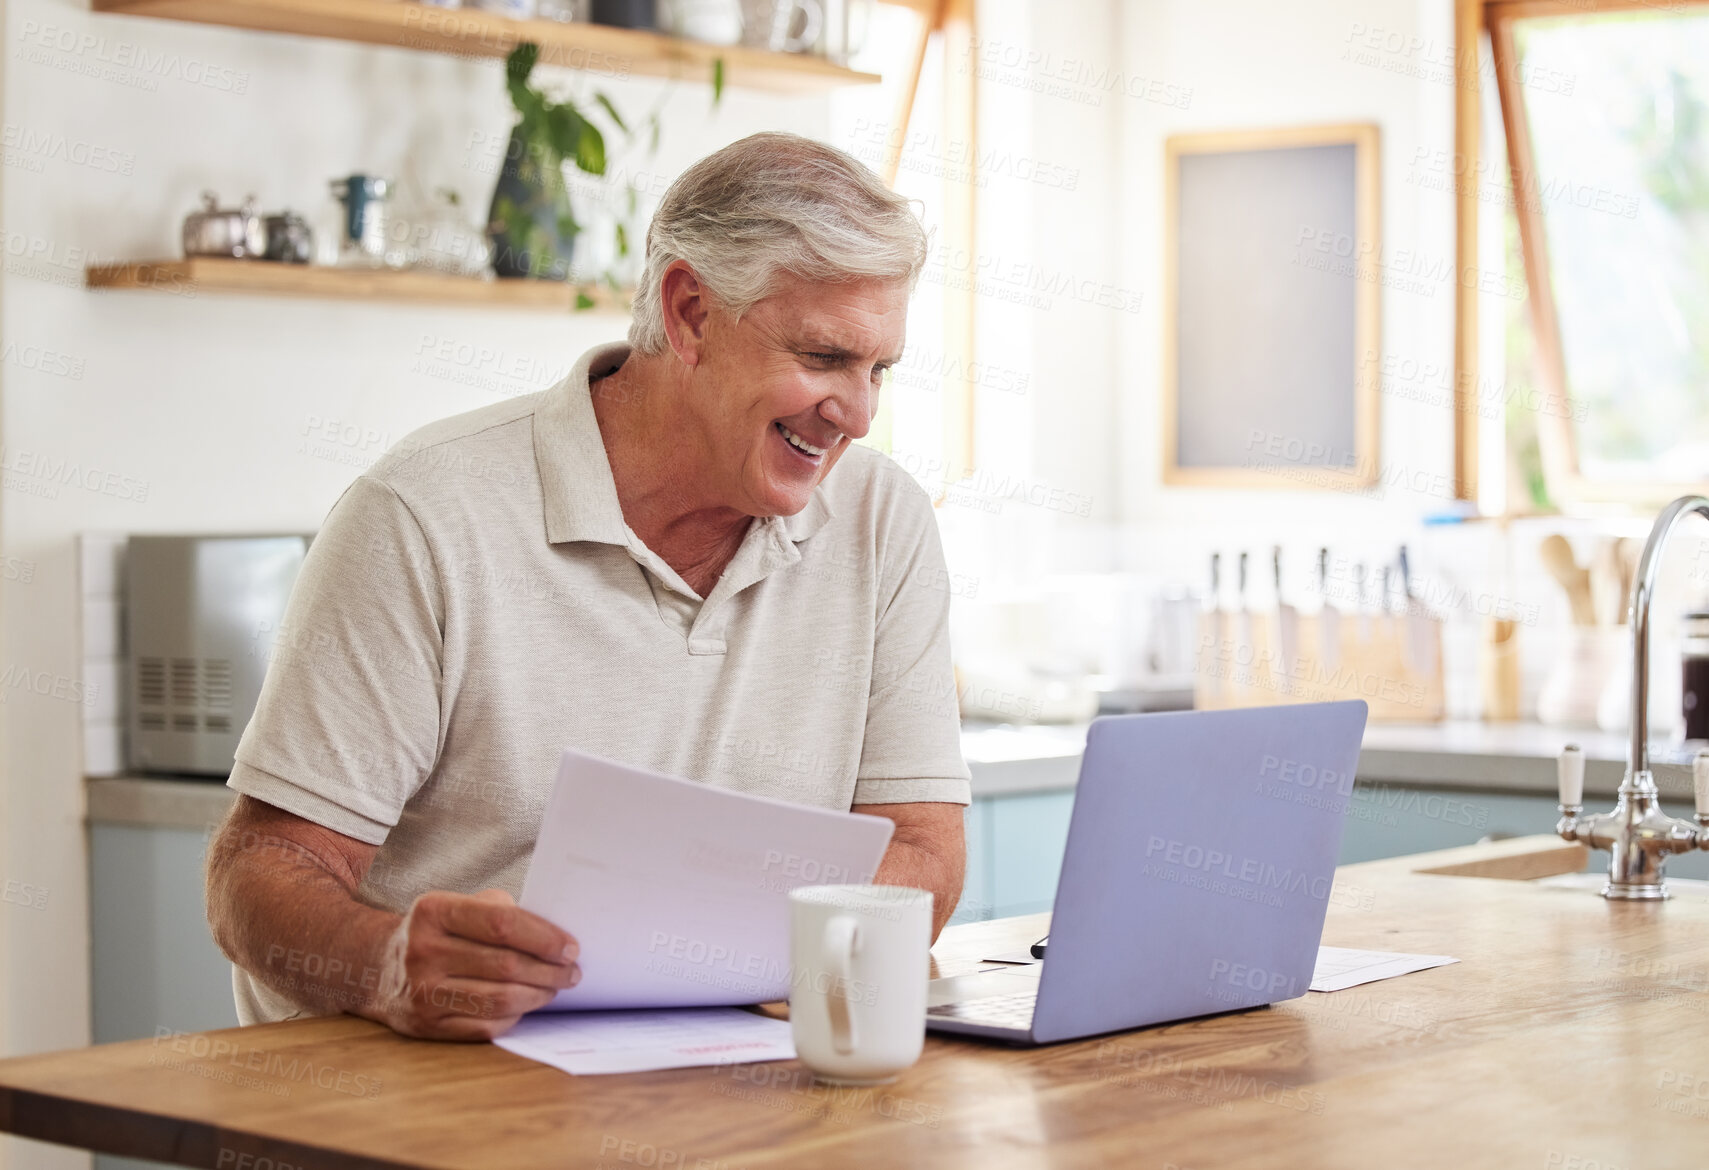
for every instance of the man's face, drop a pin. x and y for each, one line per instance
(780, 394)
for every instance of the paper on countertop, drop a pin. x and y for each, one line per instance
(1339, 968)
(679, 892)
(588, 1043)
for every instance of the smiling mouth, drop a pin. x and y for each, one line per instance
(800, 446)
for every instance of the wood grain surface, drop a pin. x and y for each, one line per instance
(1573, 1034)
(471, 32)
(206, 275)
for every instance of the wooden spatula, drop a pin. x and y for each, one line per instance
(1558, 559)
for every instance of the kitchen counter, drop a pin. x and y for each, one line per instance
(1456, 754)
(1568, 1035)
(158, 801)
(1010, 760)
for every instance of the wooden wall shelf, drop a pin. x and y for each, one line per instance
(203, 275)
(468, 32)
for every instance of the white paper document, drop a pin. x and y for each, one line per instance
(636, 1041)
(679, 892)
(1339, 968)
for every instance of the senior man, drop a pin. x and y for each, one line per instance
(653, 562)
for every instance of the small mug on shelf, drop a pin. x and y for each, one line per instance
(782, 26)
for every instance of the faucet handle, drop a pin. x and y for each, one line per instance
(1700, 781)
(1570, 773)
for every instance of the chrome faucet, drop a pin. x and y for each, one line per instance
(1637, 833)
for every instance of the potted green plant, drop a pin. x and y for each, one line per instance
(532, 226)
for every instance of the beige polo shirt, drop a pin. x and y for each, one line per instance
(475, 604)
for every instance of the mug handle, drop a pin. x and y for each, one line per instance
(810, 31)
(840, 945)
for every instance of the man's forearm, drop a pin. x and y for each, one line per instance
(925, 867)
(284, 916)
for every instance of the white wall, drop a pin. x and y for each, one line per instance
(219, 405)
(1252, 64)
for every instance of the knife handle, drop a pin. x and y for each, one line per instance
(1700, 781)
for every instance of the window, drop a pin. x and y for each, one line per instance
(1607, 129)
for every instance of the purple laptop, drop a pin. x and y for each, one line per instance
(1200, 859)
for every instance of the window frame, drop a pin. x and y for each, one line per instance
(1563, 475)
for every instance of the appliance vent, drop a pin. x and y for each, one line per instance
(219, 723)
(183, 722)
(183, 682)
(151, 721)
(216, 683)
(151, 681)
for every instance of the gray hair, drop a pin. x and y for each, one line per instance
(769, 204)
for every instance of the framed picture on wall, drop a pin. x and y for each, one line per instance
(1273, 271)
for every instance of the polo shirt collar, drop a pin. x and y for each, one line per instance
(580, 495)
(575, 474)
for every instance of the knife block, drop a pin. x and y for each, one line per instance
(1392, 661)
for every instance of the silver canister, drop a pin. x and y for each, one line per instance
(234, 233)
(289, 238)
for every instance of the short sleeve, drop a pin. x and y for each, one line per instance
(912, 747)
(347, 725)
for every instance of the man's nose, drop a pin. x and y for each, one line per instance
(851, 407)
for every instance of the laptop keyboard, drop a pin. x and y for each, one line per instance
(1000, 1011)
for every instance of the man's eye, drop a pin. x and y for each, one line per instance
(827, 358)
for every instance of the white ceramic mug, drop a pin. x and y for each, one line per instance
(766, 24)
(859, 962)
(712, 22)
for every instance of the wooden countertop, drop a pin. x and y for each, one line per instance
(1570, 1035)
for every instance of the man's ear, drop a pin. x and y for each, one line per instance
(683, 299)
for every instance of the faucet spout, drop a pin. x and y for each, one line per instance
(1638, 835)
(1643, 592)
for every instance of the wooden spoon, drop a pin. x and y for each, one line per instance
(1606, 584)
(1558, 559)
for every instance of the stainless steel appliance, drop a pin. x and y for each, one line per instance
(289, 238)
(202, 614)
(237, 233)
